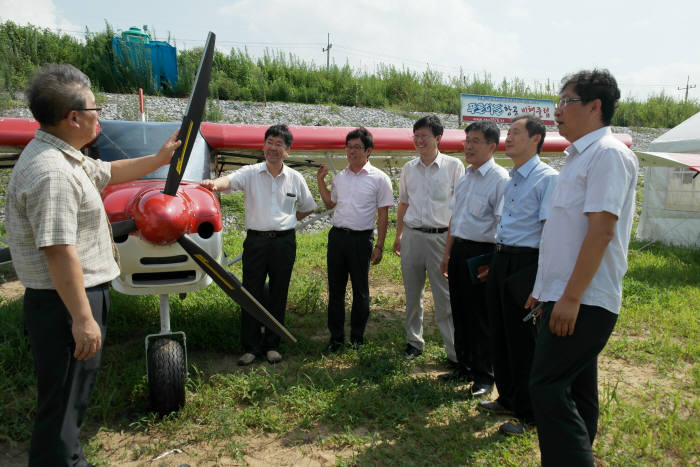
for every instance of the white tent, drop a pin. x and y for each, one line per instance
(671, 206)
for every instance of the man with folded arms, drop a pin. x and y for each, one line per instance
(512, 273)
(360, 195)
(422, 216)
(475, 207)
(583, 256)
(276, 197)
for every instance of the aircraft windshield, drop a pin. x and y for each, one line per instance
(126, 140)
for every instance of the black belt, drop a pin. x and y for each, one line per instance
(270, 233)
(472, 242)
(516, 250)
(431, 229)
(355, 232)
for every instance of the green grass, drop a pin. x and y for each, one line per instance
(369, 406)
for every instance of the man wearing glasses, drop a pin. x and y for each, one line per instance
(360, 194)
(276, 197)
(63, 253)
(476, 205)
(583, 256)
(425, 189)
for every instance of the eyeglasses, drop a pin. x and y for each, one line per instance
(96, 109)
(564, 101)
(355, 147)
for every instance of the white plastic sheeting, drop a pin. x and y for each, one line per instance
(671, 206)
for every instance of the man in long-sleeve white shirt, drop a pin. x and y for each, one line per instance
(423, 215)
(276, 197)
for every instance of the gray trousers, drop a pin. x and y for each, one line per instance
(420, 253)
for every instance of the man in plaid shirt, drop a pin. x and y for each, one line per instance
(63, 253)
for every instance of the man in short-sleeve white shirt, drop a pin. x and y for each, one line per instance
(582, 260)
(422, 217)
(276, 197)
(360, 194)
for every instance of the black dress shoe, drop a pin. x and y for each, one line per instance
(451, 364)
(494, 407)
(411, 352)
(334, 346)
(457, 375)
(480, 390)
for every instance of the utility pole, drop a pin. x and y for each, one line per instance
(687, 86)
(328, 53)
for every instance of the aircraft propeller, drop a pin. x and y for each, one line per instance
(170, 209)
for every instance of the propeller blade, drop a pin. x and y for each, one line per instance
(192, 119)
(233, 288)
(122, 228)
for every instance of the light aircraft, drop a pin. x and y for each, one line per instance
(168, 229)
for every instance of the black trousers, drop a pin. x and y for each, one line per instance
(564, 386)
(510, 281)
(266, 255)
(64, 383)
(348, 253)
(469, 312)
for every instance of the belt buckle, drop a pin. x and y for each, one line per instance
(271, 234)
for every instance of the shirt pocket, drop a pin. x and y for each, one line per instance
(440, 187)
(568, 192)
(477, 205)
(290, 202)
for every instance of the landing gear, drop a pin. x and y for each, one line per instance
(166, 354)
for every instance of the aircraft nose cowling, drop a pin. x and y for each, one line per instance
(161, 219)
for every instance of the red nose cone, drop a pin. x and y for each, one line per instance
(160, 218)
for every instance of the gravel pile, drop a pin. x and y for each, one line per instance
(126, 107)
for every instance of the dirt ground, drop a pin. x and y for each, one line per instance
(11, 290)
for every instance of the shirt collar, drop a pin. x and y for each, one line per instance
(436, 161)
(263, 168)
(527, 167)
(365, 168)
(64, 147)
(485, 167)
(583, 142)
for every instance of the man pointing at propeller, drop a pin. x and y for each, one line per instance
(63, 253)
(276, 197)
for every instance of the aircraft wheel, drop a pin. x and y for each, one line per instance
(166, 375)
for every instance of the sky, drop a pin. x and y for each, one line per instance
(649, 46)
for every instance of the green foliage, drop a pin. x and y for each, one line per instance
(658, 111)
(283, 77)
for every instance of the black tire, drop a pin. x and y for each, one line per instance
(166, 375)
